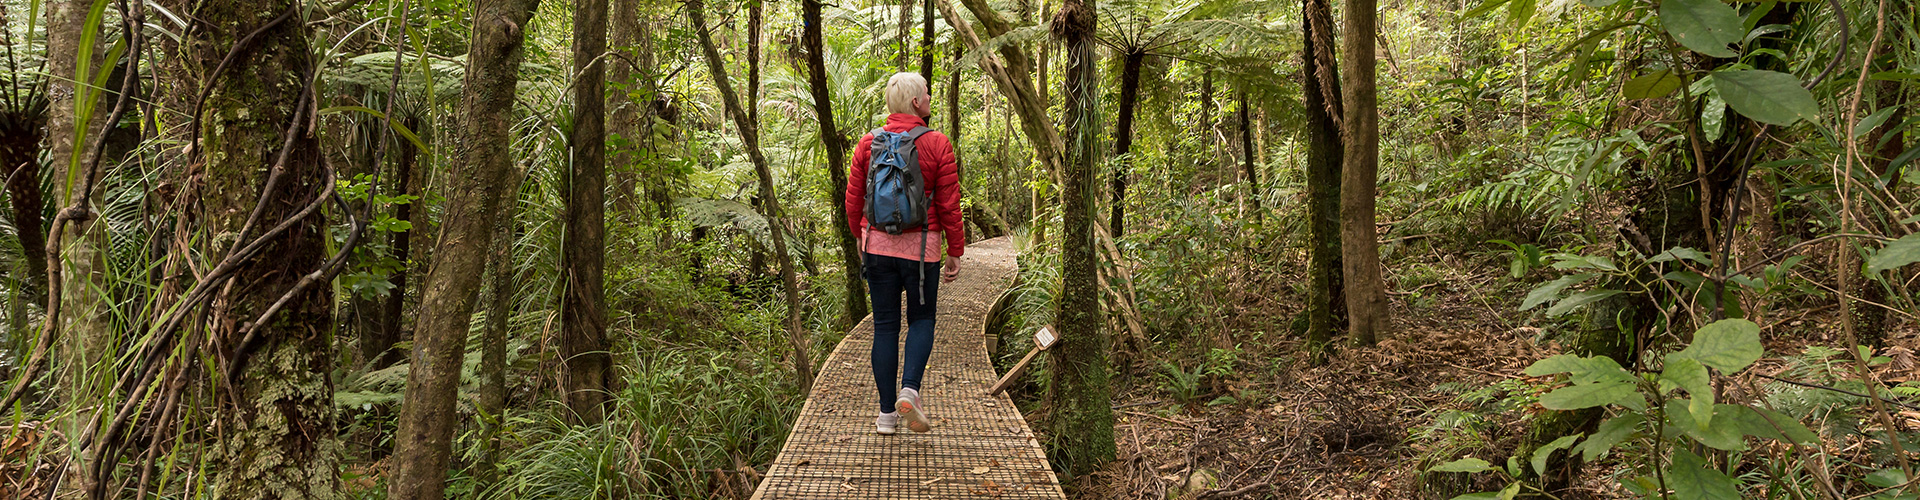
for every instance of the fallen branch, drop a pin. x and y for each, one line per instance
(1226, 493)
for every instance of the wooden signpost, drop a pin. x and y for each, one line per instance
(1042, 340)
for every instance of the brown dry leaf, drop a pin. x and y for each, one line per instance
(1902, 358)
(993, 462)
(802, 463)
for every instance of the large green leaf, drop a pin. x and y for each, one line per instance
(1873, 121)
(1769, 424)
(1579, 396)
(1597, 369)
(1482, 9)
(1541, 454)
(1521, 11)
(1725, 432)
(1897, 254)
(1692, 479)
(1769, 97)
(1728, 345)
(1468, 464)
(1587, 370)
(1577, 300)
(1610, 433)
(1653, 85)
(1689, 374)
(1706, 26)
(1559, 363)
(1547, 292)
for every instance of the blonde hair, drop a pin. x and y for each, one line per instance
(902, 89)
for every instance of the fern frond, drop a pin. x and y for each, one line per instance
(1019, 35)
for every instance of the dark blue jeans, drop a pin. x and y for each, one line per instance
(889, 279)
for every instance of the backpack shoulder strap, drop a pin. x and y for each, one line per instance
(915, 133)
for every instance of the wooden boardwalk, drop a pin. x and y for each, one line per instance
(980, 447)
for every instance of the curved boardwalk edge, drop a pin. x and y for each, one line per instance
(980, 446)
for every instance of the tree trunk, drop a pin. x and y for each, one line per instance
(837, 167)
(1249, 172)
(253, 150)
(492, 372)
(1868, 321)
(1320, 84)
(1009, 73)
(926, 44)
(74, 125)
(906, 29)
(1123, 138)
(1082, 421)
(423, 444)
(1043, 50)
(22, 125)
(756, 16)
(770, 206)
(393, 312)
(583, 318)
(630, 120)
(1360, 262)
(1010, 77)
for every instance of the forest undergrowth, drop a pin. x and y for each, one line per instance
(507, 249)
(1208, 422)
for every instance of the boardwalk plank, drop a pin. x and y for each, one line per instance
(834, 453)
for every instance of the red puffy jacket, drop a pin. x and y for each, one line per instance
(937, 165)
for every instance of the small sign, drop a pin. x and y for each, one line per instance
(1044, 338)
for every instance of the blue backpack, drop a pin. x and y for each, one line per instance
(896, 188)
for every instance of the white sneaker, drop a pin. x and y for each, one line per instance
(911, 409)
(886, 423)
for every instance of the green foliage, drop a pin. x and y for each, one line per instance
(1896, 254)
(1181, 383)
(1769, 97)
(1729, 346)
(1706, 26)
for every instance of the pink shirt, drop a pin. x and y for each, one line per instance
(905, 245)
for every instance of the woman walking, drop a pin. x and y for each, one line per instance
(903, 203)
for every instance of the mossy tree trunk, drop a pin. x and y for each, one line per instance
(837, 167)
(1082, 421)
(1320, 85)
(276, 414)
(423, 444)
